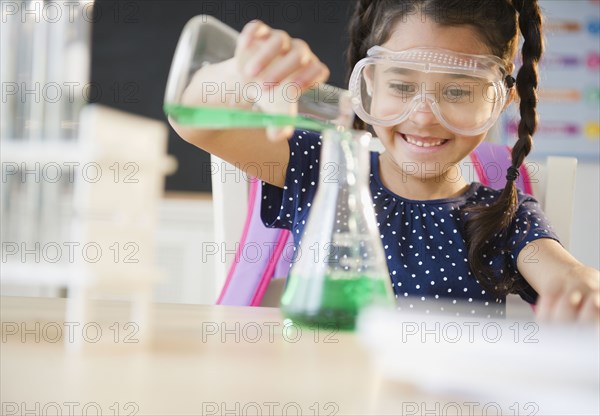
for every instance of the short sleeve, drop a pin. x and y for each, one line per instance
(288, 206)
(530, 224)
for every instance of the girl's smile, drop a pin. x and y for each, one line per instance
(421, 144)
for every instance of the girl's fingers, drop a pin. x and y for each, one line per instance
(255, 29)
(277, 57)
(574, 305)
(590, 311)
(279, 42)
(567, 306)
(295, 60)
(270, 57)
(314, 72)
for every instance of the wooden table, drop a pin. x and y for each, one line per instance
(211, 360)
(203, 360)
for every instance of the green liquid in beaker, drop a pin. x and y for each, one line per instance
(342, 299)
(222, 118)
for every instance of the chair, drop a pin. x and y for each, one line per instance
(552, 184)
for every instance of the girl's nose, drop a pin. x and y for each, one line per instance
(422, 115)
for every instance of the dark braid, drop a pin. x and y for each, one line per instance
(530, 23)
(483, 223)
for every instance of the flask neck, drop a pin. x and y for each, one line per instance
(345, 158)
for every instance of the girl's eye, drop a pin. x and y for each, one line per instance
(457, 93)
(403, 88)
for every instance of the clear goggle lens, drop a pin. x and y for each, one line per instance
(466, 95)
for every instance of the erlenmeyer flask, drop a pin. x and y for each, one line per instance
(340, 266)
(206, 40)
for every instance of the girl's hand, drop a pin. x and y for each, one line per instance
(575, 298)
(568, 290)
(281, 65)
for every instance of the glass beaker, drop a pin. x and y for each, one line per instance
(340, 266)
(207, 41)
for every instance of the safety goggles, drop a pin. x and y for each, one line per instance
(466, 93)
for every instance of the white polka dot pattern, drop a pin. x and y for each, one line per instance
(423, 240)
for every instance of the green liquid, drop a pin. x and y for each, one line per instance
(222, 118)
(341, 301)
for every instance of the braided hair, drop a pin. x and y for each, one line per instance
(498, 22)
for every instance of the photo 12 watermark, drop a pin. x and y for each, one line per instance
(268, 408)
(70, 91)
(329, 172)
(270, 92)
(266, 332)
(226, 172)
(125, 172)
(69, 409)
(70, 252)
(70, 11)
(471, 332)
(70, 332)
(468, 408)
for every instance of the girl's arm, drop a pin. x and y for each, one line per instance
(568, 290)
(264, 56)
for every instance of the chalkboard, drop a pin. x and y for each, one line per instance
(133, 44)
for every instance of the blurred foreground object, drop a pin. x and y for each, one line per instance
(546, 369)
(80, 184)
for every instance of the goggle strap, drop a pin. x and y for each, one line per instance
(510, 81)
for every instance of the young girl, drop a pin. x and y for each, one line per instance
(430, 77)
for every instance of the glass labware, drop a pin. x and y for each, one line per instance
(340, 266)
(207, 41)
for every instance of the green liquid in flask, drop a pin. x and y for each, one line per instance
(222, 118)
(341, 301)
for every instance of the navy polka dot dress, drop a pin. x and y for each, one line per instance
(423, 240)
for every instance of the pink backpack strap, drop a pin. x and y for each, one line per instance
(282, 269)
(491, 162)
(269, 271)
(257, 257)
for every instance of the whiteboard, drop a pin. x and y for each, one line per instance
(569, 88)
